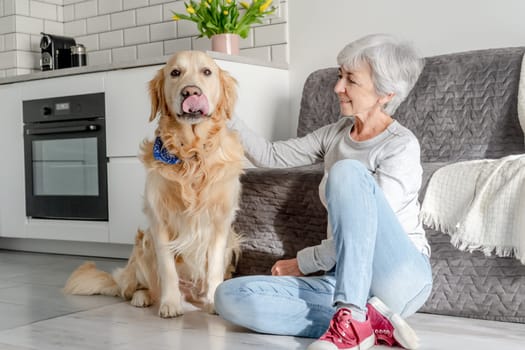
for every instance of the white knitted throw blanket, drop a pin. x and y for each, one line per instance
(480, 204)
(521, 95)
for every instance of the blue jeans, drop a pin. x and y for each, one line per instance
(374, 257)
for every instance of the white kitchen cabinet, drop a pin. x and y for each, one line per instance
(63, 86)
(126, 178)
(12, 192)
(128, 110)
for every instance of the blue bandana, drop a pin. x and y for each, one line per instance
(162, 154)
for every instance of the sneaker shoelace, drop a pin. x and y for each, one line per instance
(382, 329)
(341, 329)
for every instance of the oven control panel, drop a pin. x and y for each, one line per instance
(64, 108)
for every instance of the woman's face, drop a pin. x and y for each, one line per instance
(356, 92)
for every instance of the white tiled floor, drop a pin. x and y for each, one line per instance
(34, 314)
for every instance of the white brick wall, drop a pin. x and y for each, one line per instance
(120, 30)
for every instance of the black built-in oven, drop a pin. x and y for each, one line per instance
(65, 158)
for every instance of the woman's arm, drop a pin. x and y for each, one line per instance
(305, 150)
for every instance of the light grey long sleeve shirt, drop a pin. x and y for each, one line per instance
(392, 157)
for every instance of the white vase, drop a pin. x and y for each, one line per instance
(226, 43)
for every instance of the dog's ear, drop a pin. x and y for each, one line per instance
(229, 93)
(156, 94)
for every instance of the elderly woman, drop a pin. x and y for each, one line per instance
(376, 257)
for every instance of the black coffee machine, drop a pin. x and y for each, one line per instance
(56, 51)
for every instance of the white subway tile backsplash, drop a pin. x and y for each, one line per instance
(23, 41)
(172, 46)
(201, 44)
(98, 24)
(29, 25)
(7, 24)
(270, 35)
(75, 28)
(109, 6)
(257, 52)
(89, 41)
(124, 54)
(43, 10)
(69, 2)
(280, 53)
(86, 9)
(10, 42)
(163, 31)
(35, 42)
(281, 14)
(18, 71)
(150, 50)
(56, 2)
(131, 4)
(153, 2)
(174, 6)
(11, 72)
(60, 14)
(187, 28)
(248, 42)
(121, 30)
(53, 27)
(29, 60)
(124, 19)
(7, 59)
(95, 58)
(136, 35)
(22, 7)
(148, 15)
(9, 7)
(69, 13)
(111, 39)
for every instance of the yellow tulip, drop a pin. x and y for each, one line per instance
(265, 6)
(190, 10)
(175, 17)
(229, 1)
(245, 4)
(225, 12)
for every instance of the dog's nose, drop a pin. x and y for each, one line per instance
(191, 90)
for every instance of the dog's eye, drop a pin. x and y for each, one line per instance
(206, 71)
(175, 73)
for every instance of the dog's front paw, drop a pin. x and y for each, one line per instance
(209, 308)
(142, 298)
(170, 309)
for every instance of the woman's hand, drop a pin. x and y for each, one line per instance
(288, 267)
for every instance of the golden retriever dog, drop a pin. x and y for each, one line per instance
(191, 194)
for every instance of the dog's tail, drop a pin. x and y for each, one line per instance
(234, 254)
(87, 280)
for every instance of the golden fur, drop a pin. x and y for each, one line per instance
(191, 205)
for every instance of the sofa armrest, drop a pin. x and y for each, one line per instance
(280, 214)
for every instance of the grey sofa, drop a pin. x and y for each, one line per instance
(463, 107)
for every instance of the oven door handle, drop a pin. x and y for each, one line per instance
(63, 129)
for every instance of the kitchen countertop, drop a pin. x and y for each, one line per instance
(131, 64)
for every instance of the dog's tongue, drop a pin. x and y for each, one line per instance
(196, 103)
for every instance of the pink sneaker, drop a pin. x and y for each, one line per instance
(345, 333)
(390, 328)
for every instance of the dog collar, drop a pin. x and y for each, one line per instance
(160, 153)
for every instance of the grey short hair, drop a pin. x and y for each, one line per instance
(395, 65)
